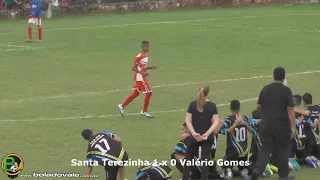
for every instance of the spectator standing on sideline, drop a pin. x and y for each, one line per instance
(3, 4)
(201, 119)
(277, 116)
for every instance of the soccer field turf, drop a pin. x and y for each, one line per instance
(76, 78)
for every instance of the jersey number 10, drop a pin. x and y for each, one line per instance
(101, 149)
(241, 134)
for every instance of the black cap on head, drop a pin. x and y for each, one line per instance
(235, 105)
(279, 74)
(86, 134)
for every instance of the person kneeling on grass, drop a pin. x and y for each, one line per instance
(237, 141)
(256, 144)
(154, 171)
(106, 148)
(180, 154)
(313, 140)
(298, 149)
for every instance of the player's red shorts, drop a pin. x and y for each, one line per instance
(142, 86)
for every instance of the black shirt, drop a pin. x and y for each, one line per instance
(313, 134)
(301, 136)
(274, 99)
(182, 146)
(201, 121)
(103, 148)
(237, 140)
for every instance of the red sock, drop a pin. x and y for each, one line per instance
(30, 33)
(146, 101)
(130, 98)
(40, 34)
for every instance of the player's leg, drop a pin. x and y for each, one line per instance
(136, 89)
(112, 173)
(282, 153)
(213, 169)
(301, 156)
(318, 150)
(254, 150)
(30, 22)
(293, 149)
(310, 152)
(244, 170)
(229, 172)
(264, 155)
(121, 170)
(121, 173)
(191, 152)
(148, 93)
(205, 156)
(178, 162)
(39, 29)
(314, 155)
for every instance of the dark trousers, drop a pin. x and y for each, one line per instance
(112, 172)
(195, 173)
(205, 155)
(313, 150)
(235, 157)
(178, 163)
(300, 154)
(275, 139)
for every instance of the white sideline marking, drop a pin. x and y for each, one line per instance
(16, 48)
(158, 86)
(169, 22)
(9, 45)
(5, 50)
(258, 28)
(106, 115)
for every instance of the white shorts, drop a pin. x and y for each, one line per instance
(36, 21)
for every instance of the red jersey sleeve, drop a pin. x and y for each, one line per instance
(137, 59)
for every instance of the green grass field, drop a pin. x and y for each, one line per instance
(76, 78)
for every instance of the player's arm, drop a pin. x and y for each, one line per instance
(135, 69)
(260, 101)
(254, 122)
(290, 110)
(249, 128)
(215, 122)
(89, 172)
(292, 117)
(313, 124)
(226, 125)
(188, 121)
(301, 111)
(218, 128)
(152, 67)
(184, 136)
(115, 137)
